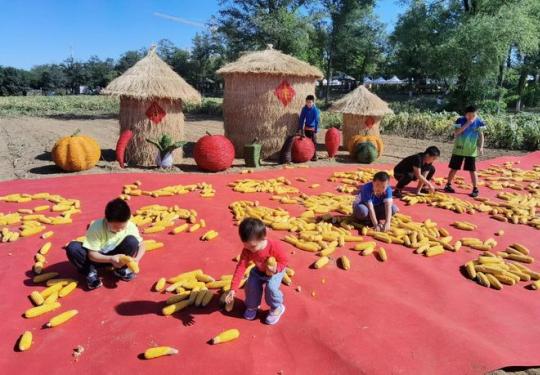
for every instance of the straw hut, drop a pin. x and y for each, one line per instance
(264, 93)
(151, 98)
(362, 113)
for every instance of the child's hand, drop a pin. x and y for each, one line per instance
(115, 261)
(481, 151)
(230, 297)
(271, 270)
(386, 227)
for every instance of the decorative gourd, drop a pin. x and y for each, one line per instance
(332, 140)
(365, 152)
(76, 152)
(375, 140)
(214, 153)
(303, 149)
(121, 146)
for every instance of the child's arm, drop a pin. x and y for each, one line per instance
(281, 258)
(372, 214)
(301, 120)
(237, 276)
(481, 139)
(97, 257)
(388, 206)
(422, 180)
(317, 120)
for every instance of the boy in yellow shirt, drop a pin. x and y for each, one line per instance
(106, 240)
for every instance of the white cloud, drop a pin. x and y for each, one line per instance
(180, 20)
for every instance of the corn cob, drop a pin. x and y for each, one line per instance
(180, 229)
(44, 277)
(226, 336)
(482, 279)
(536, 285)
(185, 275)
(130, 263)
(45, 248)
(494, 282)
(321, 262)
(40, 310)
(37, 298)
(178, 297)
(159, 351)
(51, 299)
(207, 298)
(61, 318)
(154, 229)
(364, 246)
(160, 285)
(64, 282)
(47, 234)
(194, 228)
(383, 257)
(522, 249)
(50, 290)
(200, 296)
(345, 263)
(38, 267)
(67, 289)
(25, 341)
(286, 279)
(31, 231)
(171, 309)
(210, 235)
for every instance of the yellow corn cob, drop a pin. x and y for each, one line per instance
(171, 309)
(345, 262)
(51, 299)
(41, 208)
(383, 257)
(194, 228)
(218, 284)
(160, 285)
(159, 351)
(200, 296)
(307, 246)
(44, 277)
(505, 279)
(45, 248)
(37, 298)
(154, 229)
(522, 249)
(47, 234)
(130, 263)
(31, 231)
(61, 318)
(180, 229)
(50, 290)
(457, 245)
(520, 258)
(149, 246)
(368, 251)
(464, 226)
(67, 289)
(383, 237)
(434, 250)
(536, 285)
(286, 279)
(471, 272)
(193, 295)
(321, 262)
(63, 282)
(178, 297)
(185, 275)
(226, 336)
(482, 279)
(226, 277)
(364, 246)
(207, 298)
(210, 235)
(494, 282)
(40, 310)
(25, 341)
(38, 267)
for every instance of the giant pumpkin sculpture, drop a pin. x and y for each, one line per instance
(365, 148)
(76, 152)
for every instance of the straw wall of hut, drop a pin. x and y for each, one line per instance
(264, 93)
(151, 100)
(133, 117)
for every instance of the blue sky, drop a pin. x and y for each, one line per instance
(34, 32)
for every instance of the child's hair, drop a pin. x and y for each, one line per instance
(251, 228)
(117, 211)
(310, 97)
(433, 151)
(381, 176)
(470, 109)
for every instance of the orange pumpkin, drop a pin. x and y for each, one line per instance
(76, 152)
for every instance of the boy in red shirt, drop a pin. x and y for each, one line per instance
(258, 248)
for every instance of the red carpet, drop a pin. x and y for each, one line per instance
(409, 315)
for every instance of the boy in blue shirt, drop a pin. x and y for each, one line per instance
(308, 124)
(468, 131)
(374, 203)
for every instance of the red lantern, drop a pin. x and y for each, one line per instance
(303, 150)
(332, 140)
(214, 153)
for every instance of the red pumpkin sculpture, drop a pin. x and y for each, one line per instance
(214, 153)
(332, 140)
(303, 150)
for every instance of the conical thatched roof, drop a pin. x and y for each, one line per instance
(361, 102)
(152, 78)
(272, 62)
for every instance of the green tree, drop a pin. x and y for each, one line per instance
(206, 58)
(13, 81)
(75, 74)
(48, 78)
(128, 59)
(99, 72)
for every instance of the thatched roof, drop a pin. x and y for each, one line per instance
(361, 102)
(152, 78)
(272, 62)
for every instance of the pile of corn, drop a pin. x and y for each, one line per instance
(505, 267)
(441, 200)
(352, 180)
(32, 221)
(134, 190)
(158, 218)
(277, 186)
(458, 181)
(477, 244)
(426, 237)
(196, 288)
(499, 177)
(517, 208)
(328, 202)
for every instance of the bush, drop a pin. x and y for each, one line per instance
(66, 106)
(208, 106)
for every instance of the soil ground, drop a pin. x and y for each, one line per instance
(25, 145)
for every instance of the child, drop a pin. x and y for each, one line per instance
(374, 203)
(468, 131)
(106, 240)
(308, 124)
(417, 167)
(258, 248)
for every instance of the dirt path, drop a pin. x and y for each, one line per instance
(25, 145)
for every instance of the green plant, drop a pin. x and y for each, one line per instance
(166, 145)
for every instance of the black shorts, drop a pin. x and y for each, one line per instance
(468, 162)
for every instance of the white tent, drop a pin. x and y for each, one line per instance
(379, 81)
(367, 80)
(394, 81)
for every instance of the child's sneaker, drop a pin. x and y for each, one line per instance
(93, 281)
(449, 189)
(475, 193)
(250, 314)
(124, 273)
(274, 315)
(398, 194)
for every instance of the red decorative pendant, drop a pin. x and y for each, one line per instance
(370, 121)
(155, 113)
(285, 93)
